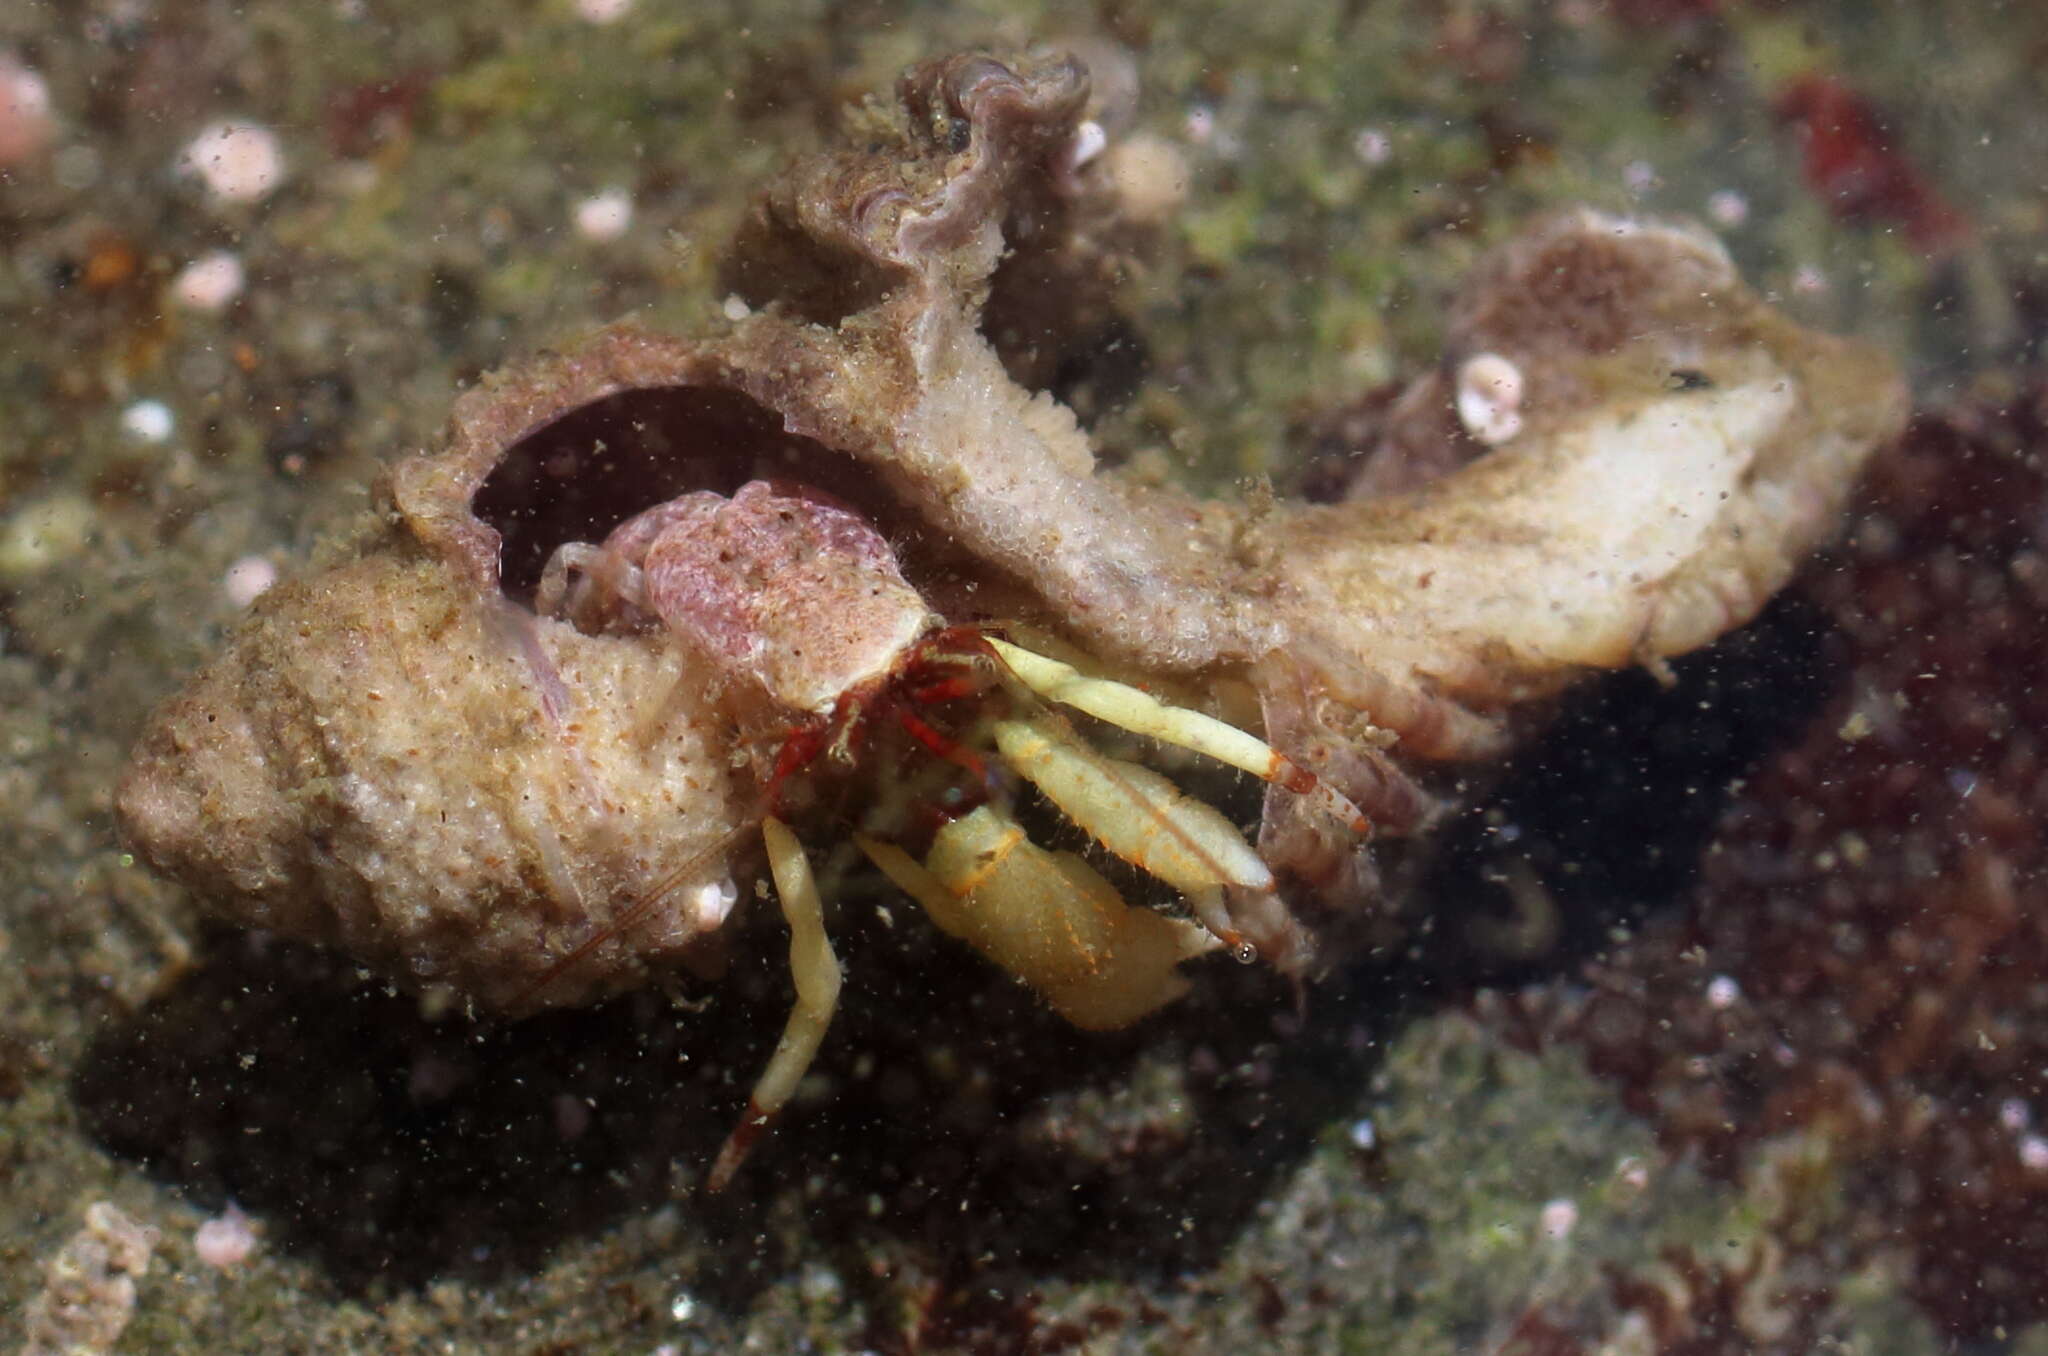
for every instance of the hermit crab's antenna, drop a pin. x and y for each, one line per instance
(637, 912)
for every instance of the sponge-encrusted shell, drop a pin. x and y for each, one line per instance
(377, 762)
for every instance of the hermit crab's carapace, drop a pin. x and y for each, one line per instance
(650, 613)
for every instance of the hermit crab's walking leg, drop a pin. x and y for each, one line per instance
(1143, 818)
(1140, 712)
(816, 971)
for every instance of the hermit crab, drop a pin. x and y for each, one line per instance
(787, 592)
(662, 605)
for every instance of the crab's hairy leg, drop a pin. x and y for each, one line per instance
(949, 749)
(801, 747)
(1140, 712)
(1048, 918)
(909, 875)
(949, 689)
(816, 971)
(1211, 906)
(1143, 818)
(1134, 812)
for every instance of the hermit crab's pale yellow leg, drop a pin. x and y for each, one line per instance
(1143, 818)
(1136, 813)
(1142, 713)
(1048, 918)
(816, 971)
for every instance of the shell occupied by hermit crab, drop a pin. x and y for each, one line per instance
(402, 756)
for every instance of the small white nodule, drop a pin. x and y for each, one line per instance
(148, 421)
(238, 161)
(711, 903)
(248, 579)
(26, 123)
(225, 1241)
(209, 282)
(1490, 398)
(604, 216)
(1089, 141)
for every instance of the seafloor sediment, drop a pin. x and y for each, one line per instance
(1742, 1129)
